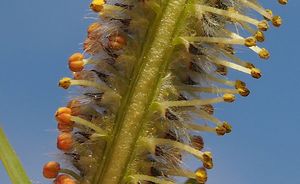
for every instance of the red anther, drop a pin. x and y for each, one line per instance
(65, 141)
(64, 179)
(51, 169)
(116, 42)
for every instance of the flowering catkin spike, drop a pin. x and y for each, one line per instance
(148, 70)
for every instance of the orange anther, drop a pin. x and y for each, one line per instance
(76, 57)
(65, 141)
(93, 27)
(63, 115)
(51, 169)
(64, 179)
(76, 63)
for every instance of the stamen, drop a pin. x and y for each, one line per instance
(262, 52)
(229, 64)
(205, 157)
(89, 124)
(259, 9)
(67, 82)
(207, 89)
(249, 42)
(197, 102)
(230, 14)
(221, 80)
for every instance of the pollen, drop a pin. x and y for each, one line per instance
(51, 169)
(264, 54)
(201, 175)
(259, 36)
(255, 72)
(65, 82)
(229, 98)
(97, 5)
(250, 42)
(263, 25)
(244, 91)
(277, 21)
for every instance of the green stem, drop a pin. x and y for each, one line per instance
(141, 97)
(11, 162)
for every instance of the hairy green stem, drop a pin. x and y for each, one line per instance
(142, 94)
(11, 162)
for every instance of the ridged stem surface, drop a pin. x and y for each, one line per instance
(145, 83)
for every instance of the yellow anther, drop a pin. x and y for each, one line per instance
(277, 21)
(283, 2)
(255, 73)
(239, 84)
(270, 13)
(207, 160)
(65, 82)
(97, 5)
(263, 25)
(228, 97)
(228, 127)
(220, 130)
(201, 175)
(264, 54)
(244, 91)
(250, 42)
(259, 36)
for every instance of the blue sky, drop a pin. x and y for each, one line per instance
(36, 38)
